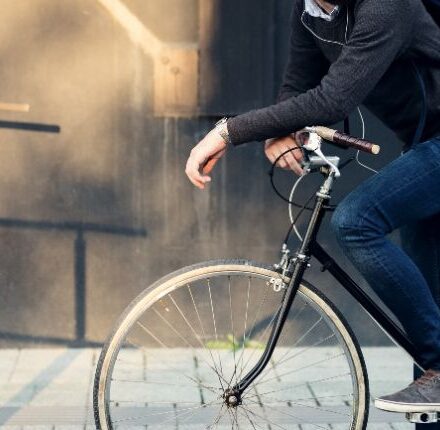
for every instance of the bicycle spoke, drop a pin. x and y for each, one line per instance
(216, 419)
(277, 363)
(263, 301)
(300, 385)
(143, 381)
(166, 347)
(296, 417)
(198, 383)
(260, 338)
(210, 388)
(264, 418)
(264, 381)
(234, 417)
(317, 343)
(182, 421)
(187, 413)
(152, 335)
(153, 403)
(185, 341)
(248, 398)
(297, 314)
(196, 336)
(292, 402)
(204, 335)
(245, 414)
(245, 322)
(304, 335)
(233, 332)
(231, 418)
(215, 325)
(268, 326)
(164, 413)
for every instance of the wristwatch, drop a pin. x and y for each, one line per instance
(222, 129)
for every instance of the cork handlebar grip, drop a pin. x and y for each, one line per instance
(346, 140)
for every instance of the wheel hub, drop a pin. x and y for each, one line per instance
(232, 398)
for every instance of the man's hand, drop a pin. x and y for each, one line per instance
(273, 148)
(203, 158)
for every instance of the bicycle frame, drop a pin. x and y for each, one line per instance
(298, 265)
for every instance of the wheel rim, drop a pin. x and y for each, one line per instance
(175, 362)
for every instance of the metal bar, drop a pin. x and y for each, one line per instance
(30, 126)
(73, 226)
(80, 286)
(50, 340)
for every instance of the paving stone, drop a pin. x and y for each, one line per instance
(48, 382)
(42, 366)
(42, 427)
(402, 426)
(68, 427)
(379, 426)
(60, 395)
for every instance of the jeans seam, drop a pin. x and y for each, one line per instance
(436, 271)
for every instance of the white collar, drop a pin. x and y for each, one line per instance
(312, 8)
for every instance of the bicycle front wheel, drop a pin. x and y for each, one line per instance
(191, 336)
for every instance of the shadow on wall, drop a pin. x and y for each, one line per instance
(80, 230)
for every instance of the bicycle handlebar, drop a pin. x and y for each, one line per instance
(345, 140)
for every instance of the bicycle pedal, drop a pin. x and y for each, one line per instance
(422, 417)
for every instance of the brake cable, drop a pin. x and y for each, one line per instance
(313, 170)
(290, 202)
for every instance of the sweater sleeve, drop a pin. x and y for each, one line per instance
(306, 64)
(380, 33)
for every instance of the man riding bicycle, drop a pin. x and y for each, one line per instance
(386, 55)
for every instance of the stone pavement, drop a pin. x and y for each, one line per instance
(43, 389)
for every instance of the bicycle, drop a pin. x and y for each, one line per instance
(235, 343)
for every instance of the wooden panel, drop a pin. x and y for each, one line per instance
(236, 55)
(175, 82)
(172, 21)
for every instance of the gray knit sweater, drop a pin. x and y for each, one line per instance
(325, 81)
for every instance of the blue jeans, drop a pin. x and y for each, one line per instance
(405, 194)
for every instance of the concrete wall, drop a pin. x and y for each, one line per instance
(104, 204)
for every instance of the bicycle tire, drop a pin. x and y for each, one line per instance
(205, 270)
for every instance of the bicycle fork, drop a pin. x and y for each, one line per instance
(296, 265)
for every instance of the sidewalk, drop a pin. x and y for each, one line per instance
(46, 389)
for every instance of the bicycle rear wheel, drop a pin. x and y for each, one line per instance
(193, 334)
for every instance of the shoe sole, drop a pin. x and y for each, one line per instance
(388, 405)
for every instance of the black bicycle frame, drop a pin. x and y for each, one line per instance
(298, 263)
